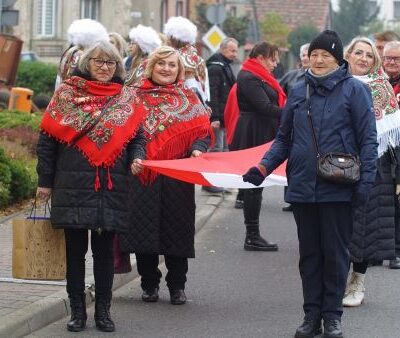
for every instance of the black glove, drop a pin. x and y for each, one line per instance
(254, 175)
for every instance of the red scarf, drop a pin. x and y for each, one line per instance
(78, 101)
(231, 113)
(175, 119)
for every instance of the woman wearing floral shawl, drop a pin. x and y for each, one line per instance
(91, 137)
(163, 211)
(373, 223)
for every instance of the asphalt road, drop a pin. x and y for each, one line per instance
(234, 293)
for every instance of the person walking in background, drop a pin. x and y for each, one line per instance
(374, 222)
(143, 40)
(290, 79)
(391, 65)
(382, 38)
(163, 209)
(296, 75)
(341, 111)
(119, 42)
(182, 34)
(91, 138)
(221, 80)
(260, 99)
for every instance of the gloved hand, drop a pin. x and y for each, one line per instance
(255, 175)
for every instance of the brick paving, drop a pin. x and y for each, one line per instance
(19, 297)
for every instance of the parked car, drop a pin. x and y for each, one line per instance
(29, 56)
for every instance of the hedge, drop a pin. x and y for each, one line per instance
(37, 76)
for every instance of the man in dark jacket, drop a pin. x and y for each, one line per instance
(221, 80)
(391, 64)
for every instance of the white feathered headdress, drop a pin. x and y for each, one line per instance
(86, 32)
(146, 37)
(181, 29)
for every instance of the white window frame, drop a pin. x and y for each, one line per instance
(43, 21)
(97, 12)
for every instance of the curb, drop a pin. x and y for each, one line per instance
(52, 308)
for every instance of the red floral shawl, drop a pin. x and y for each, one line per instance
(175, 119)
(77, 102)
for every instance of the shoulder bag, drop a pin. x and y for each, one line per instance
(334, 166)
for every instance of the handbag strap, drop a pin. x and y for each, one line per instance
(89, 126)
(310, 120)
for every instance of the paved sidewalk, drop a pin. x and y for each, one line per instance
(26, 306)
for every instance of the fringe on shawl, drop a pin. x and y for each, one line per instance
(175, 144)
(388, 132)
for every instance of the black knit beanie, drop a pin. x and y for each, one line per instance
(328, 40)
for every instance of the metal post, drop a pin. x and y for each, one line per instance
(254, 5)
(1, 14)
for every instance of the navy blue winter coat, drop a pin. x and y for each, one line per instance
(344, 121)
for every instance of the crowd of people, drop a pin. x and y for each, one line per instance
(154, 97)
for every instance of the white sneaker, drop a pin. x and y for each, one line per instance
(354, 294)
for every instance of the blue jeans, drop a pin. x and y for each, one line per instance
(220, 140)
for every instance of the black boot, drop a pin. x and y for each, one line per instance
(102, 315)
(254, 242)
(251, 212)
(78, 313)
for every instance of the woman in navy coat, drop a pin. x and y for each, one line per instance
(343, 118)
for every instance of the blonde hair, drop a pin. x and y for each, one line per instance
(350, 47)
(119, 42)
(162, 53)
(106, 48)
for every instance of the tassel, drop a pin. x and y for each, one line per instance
(109, 184)
(97, 184)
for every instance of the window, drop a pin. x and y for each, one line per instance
(396, 9)
(179, 8)
(164, 13)
(90, 9)
(372, 7)
(46, 17)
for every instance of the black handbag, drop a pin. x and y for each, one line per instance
(334, 166)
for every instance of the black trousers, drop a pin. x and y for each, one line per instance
(397, 223)
(76, 241)
(147, 266)
(324, 232)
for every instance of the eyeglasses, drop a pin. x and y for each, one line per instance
(99, 63)
(396, 59)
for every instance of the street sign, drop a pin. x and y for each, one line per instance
(213, 38)
(216, 14)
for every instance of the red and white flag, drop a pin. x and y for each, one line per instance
(219, 169)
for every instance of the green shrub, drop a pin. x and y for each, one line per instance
(4, 196)
(21, 185)
(13, 119)
(18, 180)
(37, 76)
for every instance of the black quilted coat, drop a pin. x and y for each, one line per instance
(374, 223)
(162, 216)
(74, 202)
(259, 112)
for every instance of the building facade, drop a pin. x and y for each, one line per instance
(43, 24)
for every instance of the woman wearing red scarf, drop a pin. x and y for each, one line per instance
(163, 214)
(260, 100)
(91, 139)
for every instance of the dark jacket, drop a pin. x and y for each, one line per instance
(259, 112)
(344, 121)
(374, 223)
(74, 202)
(221, 80)
(291, 78)
(162, 216)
